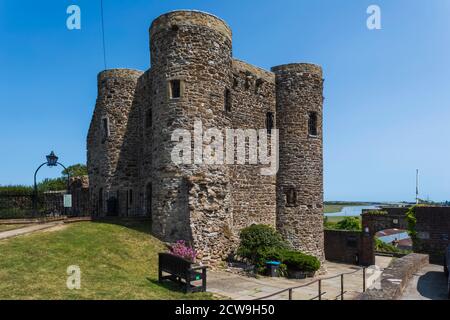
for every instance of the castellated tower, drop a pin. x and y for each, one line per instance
(193, 80)
(111, 143)
(299, 94)
(191, 68)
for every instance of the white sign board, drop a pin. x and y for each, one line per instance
(67, 201)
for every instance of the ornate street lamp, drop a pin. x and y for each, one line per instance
(52, 161)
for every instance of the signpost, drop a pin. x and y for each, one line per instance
(67, 201)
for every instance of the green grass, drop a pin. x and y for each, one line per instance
(7, 227)
(116, 261)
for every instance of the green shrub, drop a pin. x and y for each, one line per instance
(261, 243)
(298, 261)
(258, 242)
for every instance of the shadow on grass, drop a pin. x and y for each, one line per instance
(169, 285)
(143, 225)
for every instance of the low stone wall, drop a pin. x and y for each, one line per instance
(433, 232)
(395, 278)
(351, 247)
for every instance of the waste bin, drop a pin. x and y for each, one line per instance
(273, 268)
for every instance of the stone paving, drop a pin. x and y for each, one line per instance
(28, 229)
(429, 283)
(238, 287)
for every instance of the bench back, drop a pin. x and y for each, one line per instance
(173, 264)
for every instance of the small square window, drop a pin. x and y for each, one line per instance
(312, 123)
(175, 89)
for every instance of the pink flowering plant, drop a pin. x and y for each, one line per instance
(180, 249)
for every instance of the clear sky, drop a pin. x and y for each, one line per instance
(387, 91)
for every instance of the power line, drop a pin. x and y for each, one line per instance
(103, 35)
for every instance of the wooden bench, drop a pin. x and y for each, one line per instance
(181, 271)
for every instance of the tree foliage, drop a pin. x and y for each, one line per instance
(77, 170)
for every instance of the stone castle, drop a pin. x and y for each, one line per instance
(193, 76)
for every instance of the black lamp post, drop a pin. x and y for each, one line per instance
(52, 161)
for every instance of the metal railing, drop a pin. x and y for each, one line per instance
(319, 282)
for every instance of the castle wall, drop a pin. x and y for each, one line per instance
(253, 195)
(206, 204)
(300, 177)
(111, 158)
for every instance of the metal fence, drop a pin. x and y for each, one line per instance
(319, 283)
(17, 206)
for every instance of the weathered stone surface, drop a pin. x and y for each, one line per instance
(395, 278)
(206, 205)
(299, 91)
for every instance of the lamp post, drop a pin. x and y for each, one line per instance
(52, 161)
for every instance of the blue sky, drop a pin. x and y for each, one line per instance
(387, 91)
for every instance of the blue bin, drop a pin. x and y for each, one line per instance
(273, 268)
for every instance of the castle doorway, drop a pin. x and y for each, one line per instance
(148, 197)
(100, 202)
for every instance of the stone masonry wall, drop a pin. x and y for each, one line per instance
(253, 194)
(194, 48)
(111, 159)
(299, 92)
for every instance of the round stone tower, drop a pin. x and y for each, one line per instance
(191, 65)
(111, 141)
(299, 93)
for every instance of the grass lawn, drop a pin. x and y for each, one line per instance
(7, 227)
(116, 261)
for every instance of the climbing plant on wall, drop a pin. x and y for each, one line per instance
(412, 221)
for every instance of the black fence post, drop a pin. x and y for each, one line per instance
(290, 294)
(364, 279)
(342, 286)
(320, 289)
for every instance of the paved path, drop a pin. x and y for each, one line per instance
(239, 287)
(427, 284)
(26, 230)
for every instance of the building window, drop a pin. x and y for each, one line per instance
(312, 123)
(130, 197)
(269, 122)
(148, 119)
(227, 100)
(175, 89)
(105, 128)
(291, 197)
